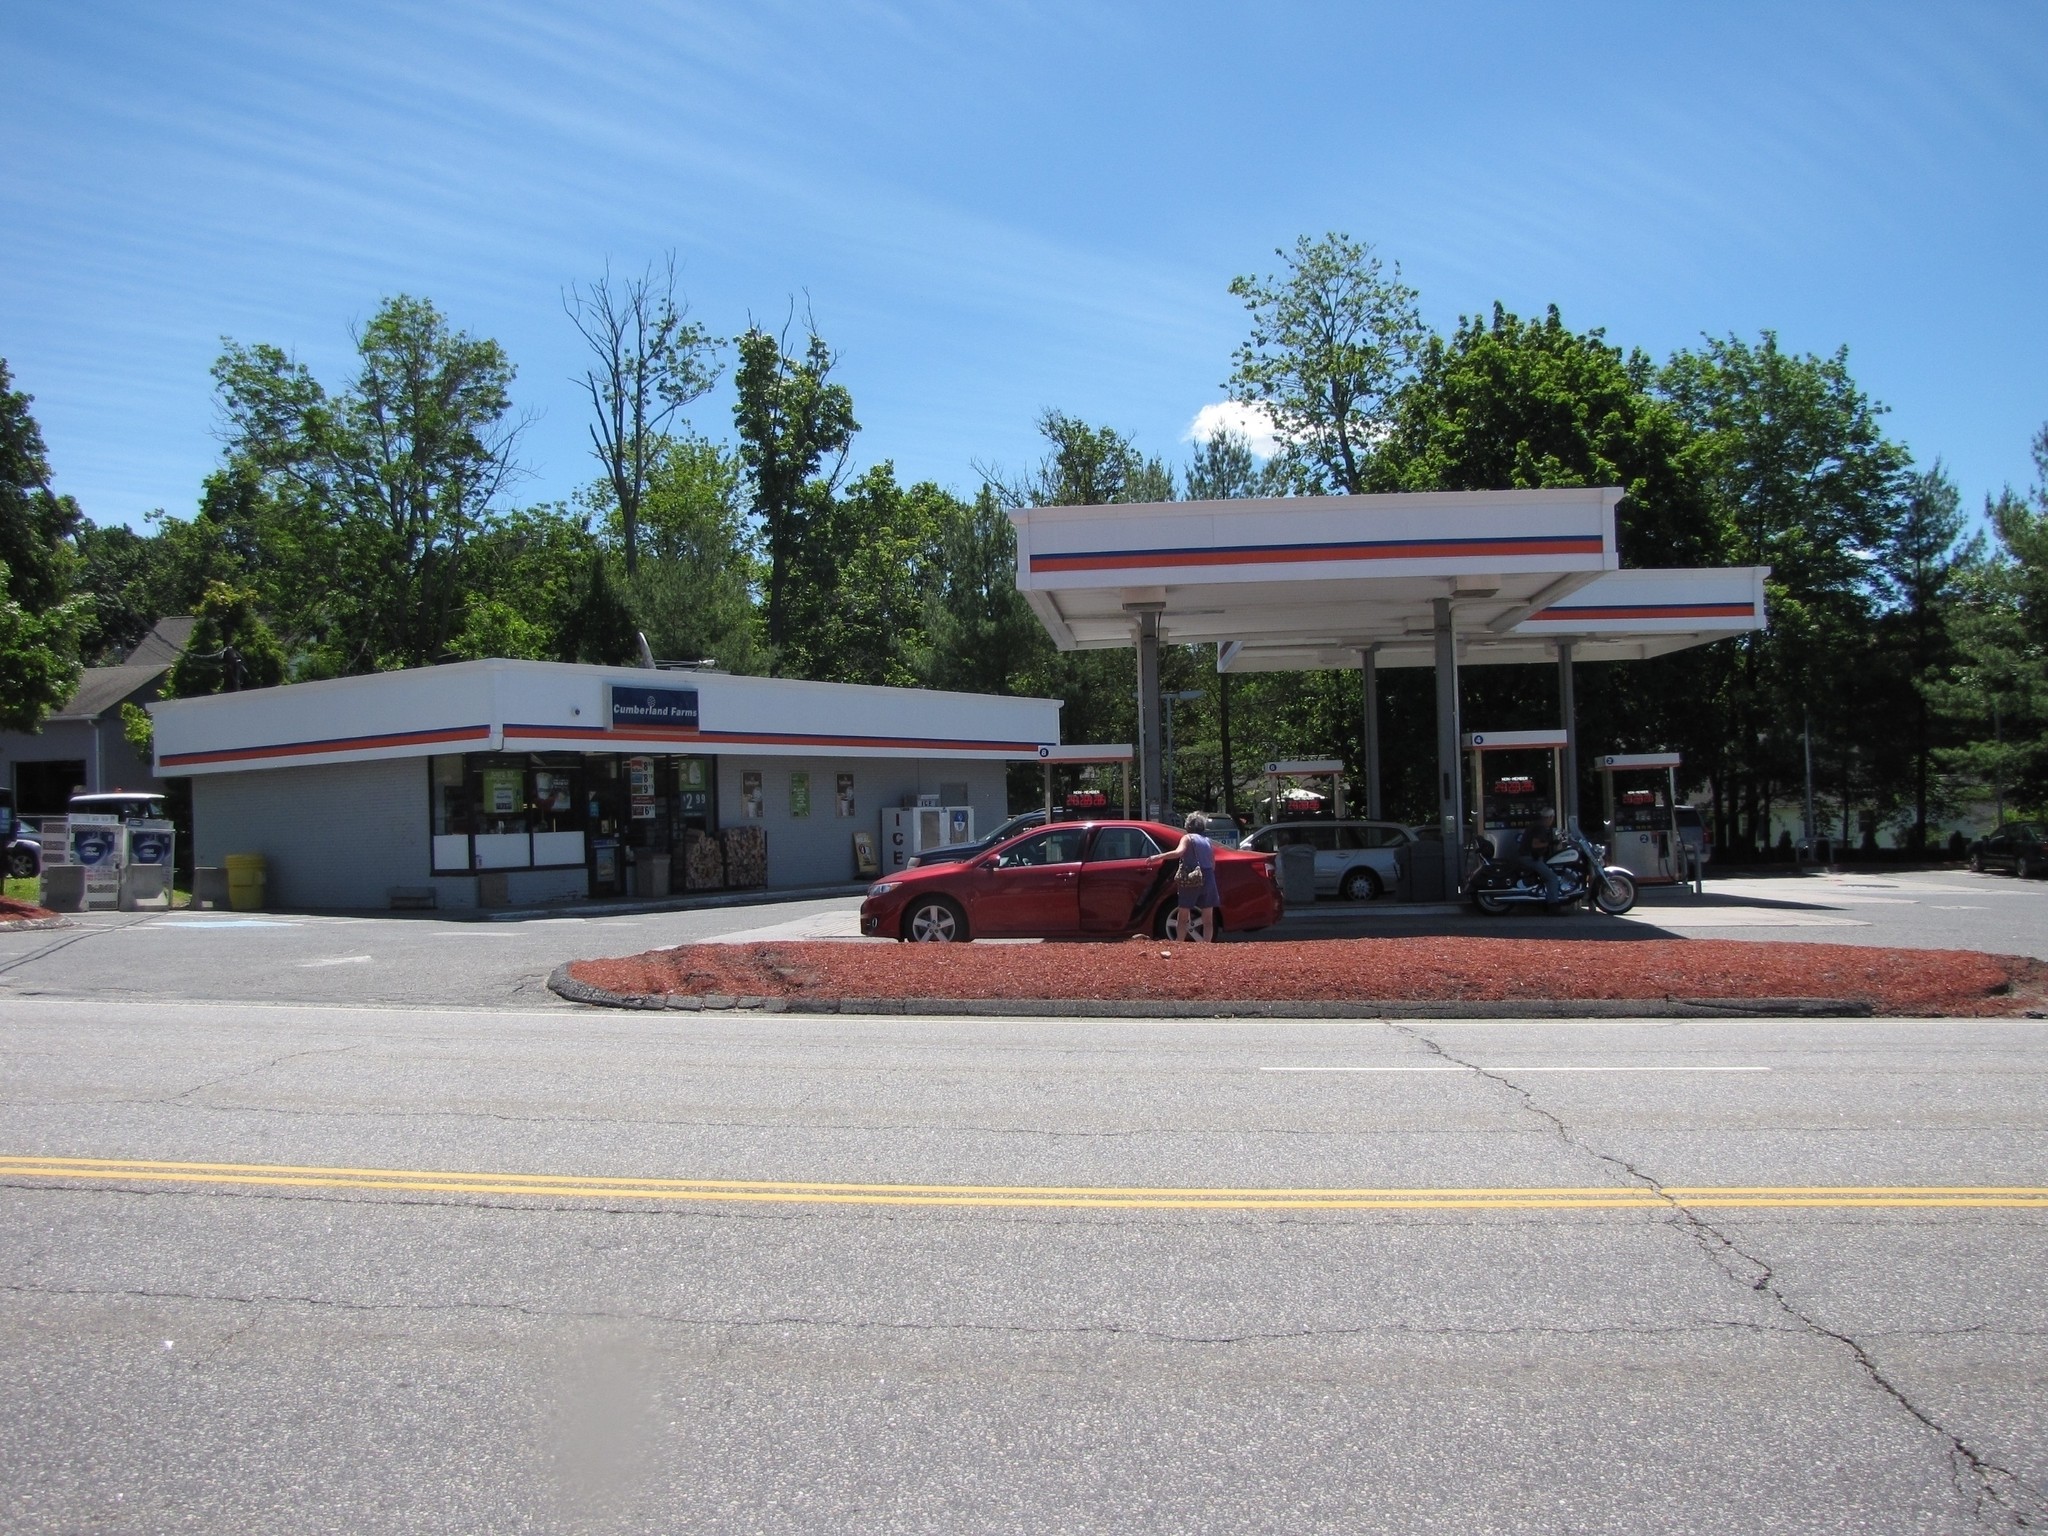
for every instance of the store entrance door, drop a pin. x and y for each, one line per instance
(605, 793)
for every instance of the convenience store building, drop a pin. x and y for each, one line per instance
(504, 782)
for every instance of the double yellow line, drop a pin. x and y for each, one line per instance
(105, 1172)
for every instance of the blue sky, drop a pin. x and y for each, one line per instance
(998, 208)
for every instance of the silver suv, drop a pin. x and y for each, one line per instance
(1354, 859)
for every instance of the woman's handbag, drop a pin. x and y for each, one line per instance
(1191, 878)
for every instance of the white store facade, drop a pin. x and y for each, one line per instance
(519, 782)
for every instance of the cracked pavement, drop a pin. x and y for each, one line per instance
(216, 1359)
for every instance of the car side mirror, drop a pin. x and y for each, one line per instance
(985, 863)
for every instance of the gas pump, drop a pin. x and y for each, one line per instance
(1639, 797)
(1294, 803)
(1512, 773)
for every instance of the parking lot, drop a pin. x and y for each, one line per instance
(425, 960)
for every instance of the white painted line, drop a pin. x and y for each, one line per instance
(1454, 1068)
(308, 965)
(1734, 917)
(232, 922)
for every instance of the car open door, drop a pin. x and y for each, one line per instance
(1029, 889)
(1123, 868)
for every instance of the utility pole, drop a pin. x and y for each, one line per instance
(1806, 729)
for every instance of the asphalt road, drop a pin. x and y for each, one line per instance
(854, 1275)
(438, 961)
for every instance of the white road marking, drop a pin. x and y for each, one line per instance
(307, 965)
(189, 926)
(818, 925)
(1452, 1067)
(1726, 917)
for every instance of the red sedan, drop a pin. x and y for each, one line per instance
(1089, 879)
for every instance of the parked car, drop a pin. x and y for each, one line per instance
(960, 853)
(24, 854)
(1093, 879)
(2016, 846)
(128, 804)
(1354, 859)
(1694, 831)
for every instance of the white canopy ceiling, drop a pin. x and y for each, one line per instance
(1297, 583)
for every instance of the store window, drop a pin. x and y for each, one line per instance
(501, 811)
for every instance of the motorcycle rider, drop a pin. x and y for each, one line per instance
(1538, 844)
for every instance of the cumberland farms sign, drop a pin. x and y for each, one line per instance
(671, 709)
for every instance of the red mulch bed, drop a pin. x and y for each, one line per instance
(12, 911)
(1897, 981)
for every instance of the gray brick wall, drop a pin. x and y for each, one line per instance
(338, 835)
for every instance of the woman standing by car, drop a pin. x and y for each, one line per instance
(1195, 886)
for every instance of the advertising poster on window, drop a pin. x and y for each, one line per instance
(502, 791)
(750, 794)
(799, 794)
(842, 798)
(640, 787)
(866, 860)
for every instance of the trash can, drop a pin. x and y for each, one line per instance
(1298, 874)
(245, 881)
(1419, 872)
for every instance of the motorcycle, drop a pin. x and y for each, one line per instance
(1583, 874)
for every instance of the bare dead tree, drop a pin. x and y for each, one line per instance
(650, 360)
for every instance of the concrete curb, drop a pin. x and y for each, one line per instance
(23, 924)
(566, 986)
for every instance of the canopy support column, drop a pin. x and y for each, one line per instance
(1149, 756)
(1369, 727)
(1450, 788)
(1223, 714)
(1568, 712)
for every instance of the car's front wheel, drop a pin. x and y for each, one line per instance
(21, 864)
(1361, 885)
(935, 920)
(1976, 863)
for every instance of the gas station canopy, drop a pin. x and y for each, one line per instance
(1439, 579)
(1300, 583)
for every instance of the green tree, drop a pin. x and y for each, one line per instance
(1332, 338)
(980, 629)
(650, 360)
(231, 648)
(1507, 403)
(1511, 404)
(795, 429)
(1808, 485)
(1224, 468)
(40, 621)
(599, 630)
(694, 592)
(1996, 693)
(1089, 466)
(1920, 563)
(124, 578)
(528, 572)
(403, 465)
